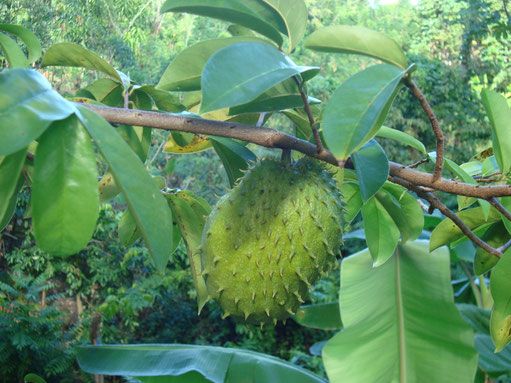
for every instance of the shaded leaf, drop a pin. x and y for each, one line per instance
(240, 72)
(495, 236)
(11, 182)
(372, 168)
(358, 108)
(447, 232)
(357, 40)
(216, 364)
(500, 287)
(382, 234)
(149, 208)
(495, 365)
(477, 317)
(128, 230)
(27, 102)
(235, 157)
(400, 320)
(253, 14)
(65, 203)
(323, 316)
(107, 91)
(162, 99)
(352, 196)
(13, 52)
(499, 114)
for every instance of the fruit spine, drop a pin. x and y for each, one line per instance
(270, 238)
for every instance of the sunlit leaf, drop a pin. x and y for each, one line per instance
(197, 144)
(29, 39)
(27, 102)
(499, 114)
(400, 321)
(500, 287)
(73, 55)
(402, 137)
(13, 52)
(64, 194)
(185, 71)
(357, 40)
(240, 72)
(323, 316)
(253, 14)
(349, 125)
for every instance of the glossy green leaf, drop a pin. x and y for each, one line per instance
(216, 364)
(13, 52)
(128, 230)
(239, 30)
(284, 95)
(11, 182)
(149, 208)
(402, 137)
(400, 321)
(191, 212)
(323, 316)
(65, 202)
(500, 287)
(162, 99)
(447, 232)
(349, 125)
(495, 236)
(29, 39)
(253, 14)
(372, 168)
(185, 71)
(33, 378)
(294, 14)
(240, 72)
(107, 91)
(28, 102)
(353, 197)
(382, 234)
(499, 114)
(357, 40)
(73, 55)
(404, 210)
(506, 202)
(235, 157)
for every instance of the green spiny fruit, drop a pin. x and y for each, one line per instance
(269, 239)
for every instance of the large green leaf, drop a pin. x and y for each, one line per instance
(144, 199)
(372, 166)
(216, 364)
(347, 125)
(253, 14)
(234, 156)
(13, 53)
(284, 95)
(191, 212)
(447, 232)
(382, 233)
(495, 236)
(499, 114)
(29, 39)
(400, 321)
(65, 202)
(402, 137)
(500, 286)
(323, 316)
(11, 182)
(73, 55)
(185, 71)
(357, 40)
(294, 14)
(28, 103)
(240, 72)
(107, 91)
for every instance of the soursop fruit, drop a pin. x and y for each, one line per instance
(270, 238)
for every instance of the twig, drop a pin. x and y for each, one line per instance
(271, 138)
(500, 208)
(437, 204)
(437, 174)
(505, 246)
(307, 108)
(418, 163)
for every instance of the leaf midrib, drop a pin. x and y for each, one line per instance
(401, 326)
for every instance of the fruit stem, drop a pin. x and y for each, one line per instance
(286, 157)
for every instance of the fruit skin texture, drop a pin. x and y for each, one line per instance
(270, 238)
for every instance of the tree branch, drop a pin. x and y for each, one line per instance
(500, 208)
(271, 138)
(437, 174)
(437, 204)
